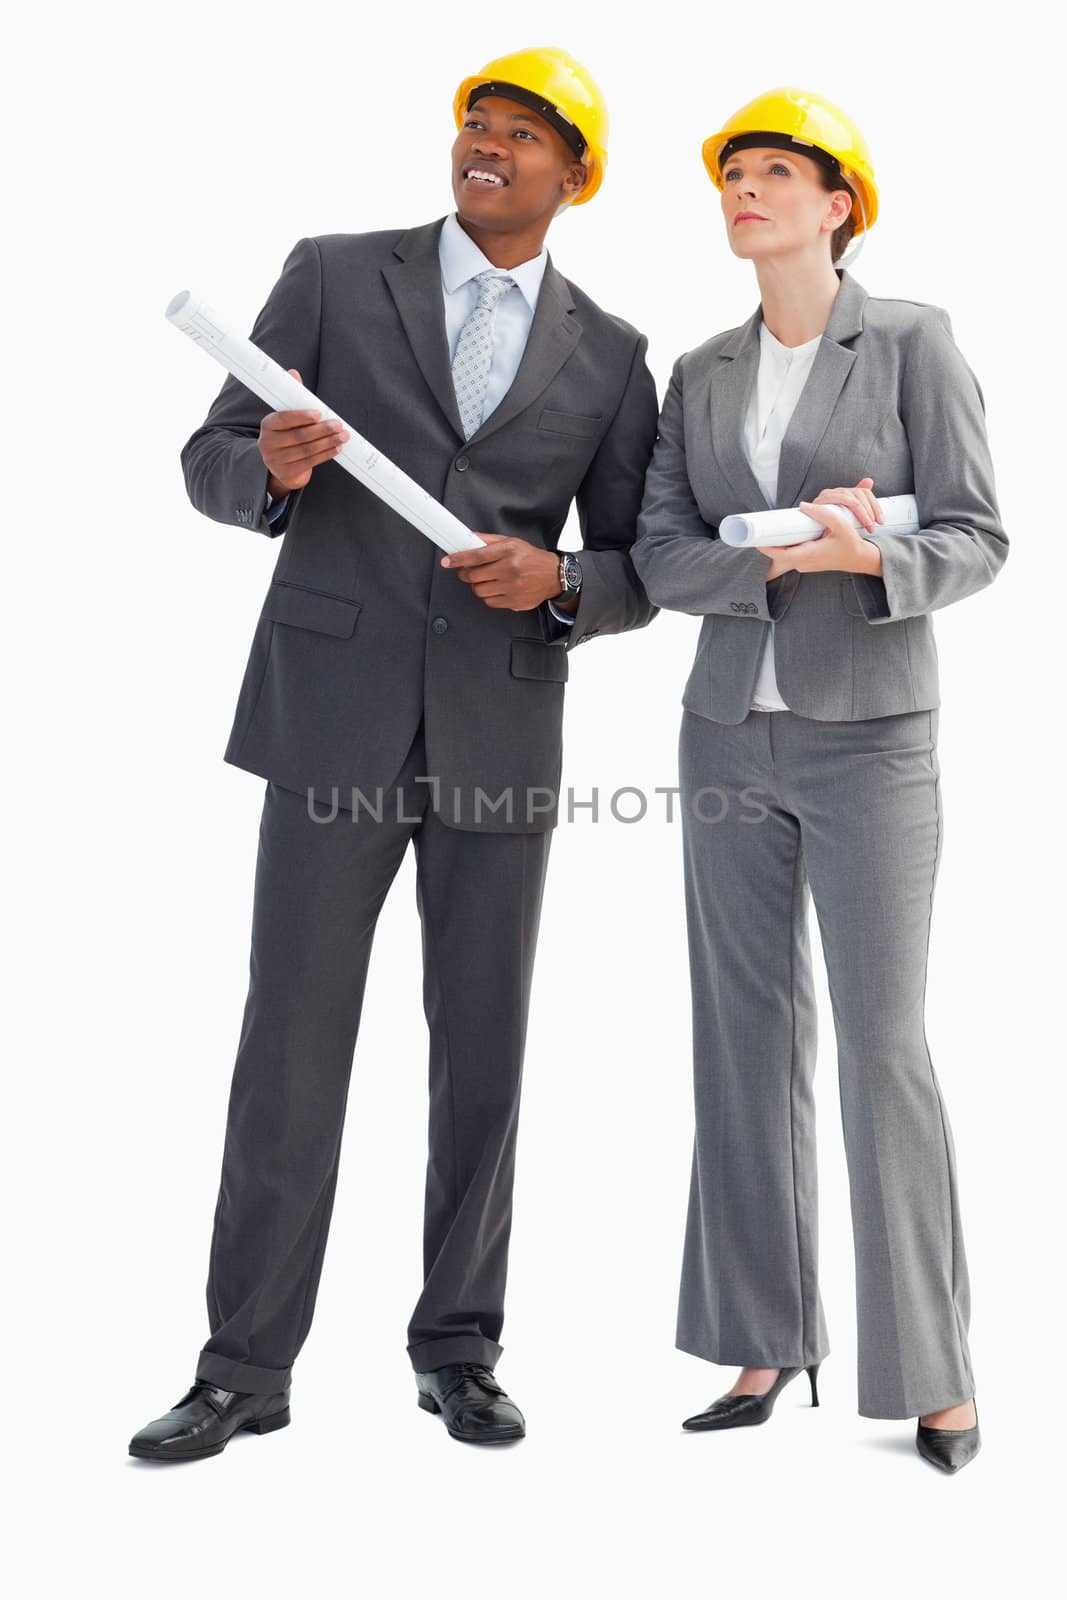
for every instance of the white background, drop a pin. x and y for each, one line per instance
(148, 150)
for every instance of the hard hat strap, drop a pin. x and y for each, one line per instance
(849, 259)
(544, 108)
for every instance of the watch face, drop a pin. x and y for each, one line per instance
(573, 573)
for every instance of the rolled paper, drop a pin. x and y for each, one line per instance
(745, 529)
(280, 390)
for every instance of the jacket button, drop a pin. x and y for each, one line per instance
(439, 624)
(734, 605)
(462, 463)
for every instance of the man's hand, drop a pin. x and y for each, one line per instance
(512, 574)
(292, 444)
(842, 547)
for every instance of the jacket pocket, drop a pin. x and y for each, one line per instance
(534, 658)
(569, 422)
(292, 603)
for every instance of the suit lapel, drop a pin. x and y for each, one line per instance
(732, 384)
(734, 381)
(554, 333)
(414, 281)
(832, 365)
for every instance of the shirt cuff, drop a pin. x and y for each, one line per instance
(276, 508)
(562, 616)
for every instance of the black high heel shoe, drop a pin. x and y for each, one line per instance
(745, 1410)
(948, 1448)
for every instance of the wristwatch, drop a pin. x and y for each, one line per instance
(570, 576)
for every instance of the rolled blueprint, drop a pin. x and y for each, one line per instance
(749, 528)
(252, 367)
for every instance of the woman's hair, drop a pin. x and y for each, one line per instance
(842, 235)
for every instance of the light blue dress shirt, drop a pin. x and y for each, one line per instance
(461, 261)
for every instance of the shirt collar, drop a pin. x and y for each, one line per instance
(787, 353)
(461, 260)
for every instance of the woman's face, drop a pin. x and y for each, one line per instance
(774, 204)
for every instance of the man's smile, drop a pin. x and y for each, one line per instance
(483, 175)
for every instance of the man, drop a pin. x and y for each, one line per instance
(395, 695)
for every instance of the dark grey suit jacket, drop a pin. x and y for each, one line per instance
(889, 396)
(362, 632)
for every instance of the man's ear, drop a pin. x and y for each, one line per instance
(575, 182)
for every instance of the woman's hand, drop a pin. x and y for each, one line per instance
(842, 547)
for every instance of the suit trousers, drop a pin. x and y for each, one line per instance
(778, 809)
(318, 890)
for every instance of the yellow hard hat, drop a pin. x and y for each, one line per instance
(560, 89)
(802, 118)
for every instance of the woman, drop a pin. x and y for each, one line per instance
(809, 765)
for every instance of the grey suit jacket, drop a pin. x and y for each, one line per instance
(889, 396)
(362, 632)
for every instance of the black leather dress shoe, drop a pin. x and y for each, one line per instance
(948, 1448)
(473, 1405)
(205, 1419)
(745, 1410)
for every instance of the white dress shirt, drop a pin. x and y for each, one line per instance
(782, 375)
(461, 261)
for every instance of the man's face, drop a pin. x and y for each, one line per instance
(510, 168)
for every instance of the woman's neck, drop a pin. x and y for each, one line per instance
(797, 297)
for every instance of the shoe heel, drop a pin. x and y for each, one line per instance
(428, 1403)
(813, 1373)
(277, 1419)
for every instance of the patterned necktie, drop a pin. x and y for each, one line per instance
(474, 352)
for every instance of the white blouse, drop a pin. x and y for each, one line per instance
(782, 375)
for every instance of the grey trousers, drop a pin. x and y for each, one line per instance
(318, 891)
(777, 808)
